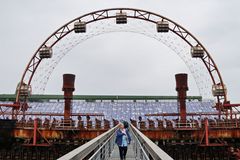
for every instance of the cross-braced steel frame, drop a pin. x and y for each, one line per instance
(147, 16)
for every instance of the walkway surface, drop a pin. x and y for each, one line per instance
(130, 153)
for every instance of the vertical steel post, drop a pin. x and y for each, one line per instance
(182, 88)
(35, 132)
(206, 132)
(68, 88)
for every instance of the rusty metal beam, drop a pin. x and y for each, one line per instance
(164, 134)
(15, 105)
(231, 105)
(26, 133)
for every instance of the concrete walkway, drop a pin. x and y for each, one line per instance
(130, 153)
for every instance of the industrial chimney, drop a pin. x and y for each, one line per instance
(68, 88)
(182, 88)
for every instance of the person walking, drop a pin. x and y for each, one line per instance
(123, 139)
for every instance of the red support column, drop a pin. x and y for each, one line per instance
(68, 88)
(206, 132)
(35, 132)
(182, 88)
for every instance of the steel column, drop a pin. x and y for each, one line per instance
(182, 88)
(206, 132)
(35, 132)
(68, 88)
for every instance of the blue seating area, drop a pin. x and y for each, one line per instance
(122, 110)
(118, 110)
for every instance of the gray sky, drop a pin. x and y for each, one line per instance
(106, 70)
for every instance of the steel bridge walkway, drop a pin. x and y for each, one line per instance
(103, 147)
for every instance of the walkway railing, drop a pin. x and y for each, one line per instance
(101, 147)
(98, 148)
(145, 149)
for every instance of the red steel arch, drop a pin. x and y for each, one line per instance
(63, 31)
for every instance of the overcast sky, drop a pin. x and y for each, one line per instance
(109, 69)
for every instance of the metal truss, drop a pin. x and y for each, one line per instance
(147, 16)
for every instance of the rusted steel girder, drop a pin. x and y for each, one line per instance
(154, 134)
(84, 134)
(168, 134)
(14, 105)
(231, 105)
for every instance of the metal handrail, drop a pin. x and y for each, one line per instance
(88, 148)
(138, 148)
(151, 149)
(103, 152)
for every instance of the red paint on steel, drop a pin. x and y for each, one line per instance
(15, 105)
(181, 88)
(68, 88)
(206, 132)
(35, 132)
(231, 105)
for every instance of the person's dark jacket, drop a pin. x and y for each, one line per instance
(119, 135)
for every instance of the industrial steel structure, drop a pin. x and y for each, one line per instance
(163, 24)
(183, 134)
